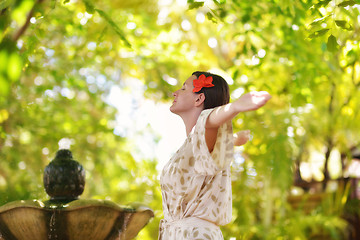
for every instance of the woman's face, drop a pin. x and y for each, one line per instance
(184, 97)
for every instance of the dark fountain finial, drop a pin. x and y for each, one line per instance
(64, 178)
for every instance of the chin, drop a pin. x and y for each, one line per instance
(173, 110)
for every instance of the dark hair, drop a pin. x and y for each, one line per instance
(218, 94)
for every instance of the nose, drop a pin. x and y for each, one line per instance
(175, 93)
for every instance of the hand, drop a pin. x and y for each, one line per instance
(252, 101)
(241, 137)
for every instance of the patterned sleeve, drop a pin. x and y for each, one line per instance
(222, 155)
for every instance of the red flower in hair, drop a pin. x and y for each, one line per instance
(201, 82)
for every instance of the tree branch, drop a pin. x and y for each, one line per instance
(27, 22)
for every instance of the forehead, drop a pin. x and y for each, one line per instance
(190, 80)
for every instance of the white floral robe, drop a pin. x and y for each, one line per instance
(196, 186)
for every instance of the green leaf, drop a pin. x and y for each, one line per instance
(5, 21)
(218, 2)
(214, 13)
(102, 35)
(4, 87)
(351, 58)
(5, 3)
(322, 3)
(319, 20)
(211, 17)
(3, 59)
(319, 33)
(193, 5)
(343, 24)
(332, 44)
(53, 4)
(90, 8)
(347, 3)
(235, 74)
(340, 23)
(114, 26)
(20, 11)
(14, 67)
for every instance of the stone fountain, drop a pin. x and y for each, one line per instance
(65, 216)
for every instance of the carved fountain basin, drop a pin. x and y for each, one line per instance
(76, 220)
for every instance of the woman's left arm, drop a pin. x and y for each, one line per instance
(247, 102)
(241, 137)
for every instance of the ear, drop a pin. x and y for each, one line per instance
(200, 99)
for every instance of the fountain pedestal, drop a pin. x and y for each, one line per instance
(63, 218)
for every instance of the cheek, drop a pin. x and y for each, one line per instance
(184, 100)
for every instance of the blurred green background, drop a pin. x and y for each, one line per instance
(76, 74)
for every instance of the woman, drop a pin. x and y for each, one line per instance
(195, 183)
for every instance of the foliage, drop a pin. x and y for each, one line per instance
(59, 61)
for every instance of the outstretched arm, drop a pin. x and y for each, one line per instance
(247, 102)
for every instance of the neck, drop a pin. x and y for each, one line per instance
(190, 119)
